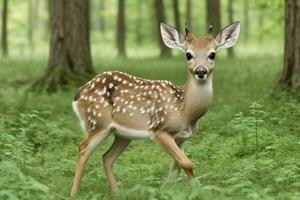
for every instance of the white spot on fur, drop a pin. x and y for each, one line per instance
(104, 90)
(93, 85)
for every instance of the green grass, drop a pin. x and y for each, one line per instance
(247, 146)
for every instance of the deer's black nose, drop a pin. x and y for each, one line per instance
(200, 72)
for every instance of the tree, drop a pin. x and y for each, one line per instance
(160, 17)
(189, 13)
(230, 19)
(246, 20)
(290, 77)
(176, 14)
(261, 6)
(213, 15)
(4, 28)
(261, 25)
(70, 55)
(102, 19)
(121, 29)
(30, 24)
(138, 29)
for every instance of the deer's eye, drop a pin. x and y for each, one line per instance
(188, 56)
(212, 56)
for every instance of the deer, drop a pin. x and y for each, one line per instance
(159, 110)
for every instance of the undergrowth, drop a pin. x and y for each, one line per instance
(247, 146)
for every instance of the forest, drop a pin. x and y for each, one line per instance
(246, 146)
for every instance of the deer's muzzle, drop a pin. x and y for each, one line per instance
(201, 72)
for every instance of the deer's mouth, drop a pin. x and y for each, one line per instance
(201, 77)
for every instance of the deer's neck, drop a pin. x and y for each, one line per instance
(197, 97)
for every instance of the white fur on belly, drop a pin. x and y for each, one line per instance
(131, 133)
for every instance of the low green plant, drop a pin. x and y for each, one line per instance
(245, 148)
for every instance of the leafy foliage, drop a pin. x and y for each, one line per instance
(246, 146)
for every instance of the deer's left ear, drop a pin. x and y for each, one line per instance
(171, 37)
(229, 35)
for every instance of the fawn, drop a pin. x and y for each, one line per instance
(159, 110)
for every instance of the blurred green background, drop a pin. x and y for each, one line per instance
(262, 25)
(247, 145)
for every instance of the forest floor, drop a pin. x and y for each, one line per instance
(247, 146)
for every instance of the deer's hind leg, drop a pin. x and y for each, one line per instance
(98, 129)
(116, 149)
(86, 148)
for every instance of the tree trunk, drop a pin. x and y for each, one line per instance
(121, 29)
(160, 17)
(70, 55)
(30, 25)
(176, 14)
(189, 13)
(261, 25)
(290, 77)
(139, 29)
(102, 17)
(4, 28)
(35, 14)
(230, 19)
(213, 15)
(48, 21)
(246, 19)
(92, 16)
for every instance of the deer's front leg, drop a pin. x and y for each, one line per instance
(168, 143)
(174, 168)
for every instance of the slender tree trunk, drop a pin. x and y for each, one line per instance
(213, 15)
(4, 28)
(246, 19)
(176, 14)
(261, 25)
(139, 29)
(70, 55)
(290, 77)
(151, 16)
(121, 29)
(160, 17)
(35, 14)
(48, 22)
(93, 13)
(30, 25)
(102, 17)
(230, 19)
(189, 13)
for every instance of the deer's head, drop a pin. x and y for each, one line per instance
(200, 51)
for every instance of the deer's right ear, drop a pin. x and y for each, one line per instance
(171, 37)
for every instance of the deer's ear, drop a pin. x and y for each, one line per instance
(171, 37)
(229, 35)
